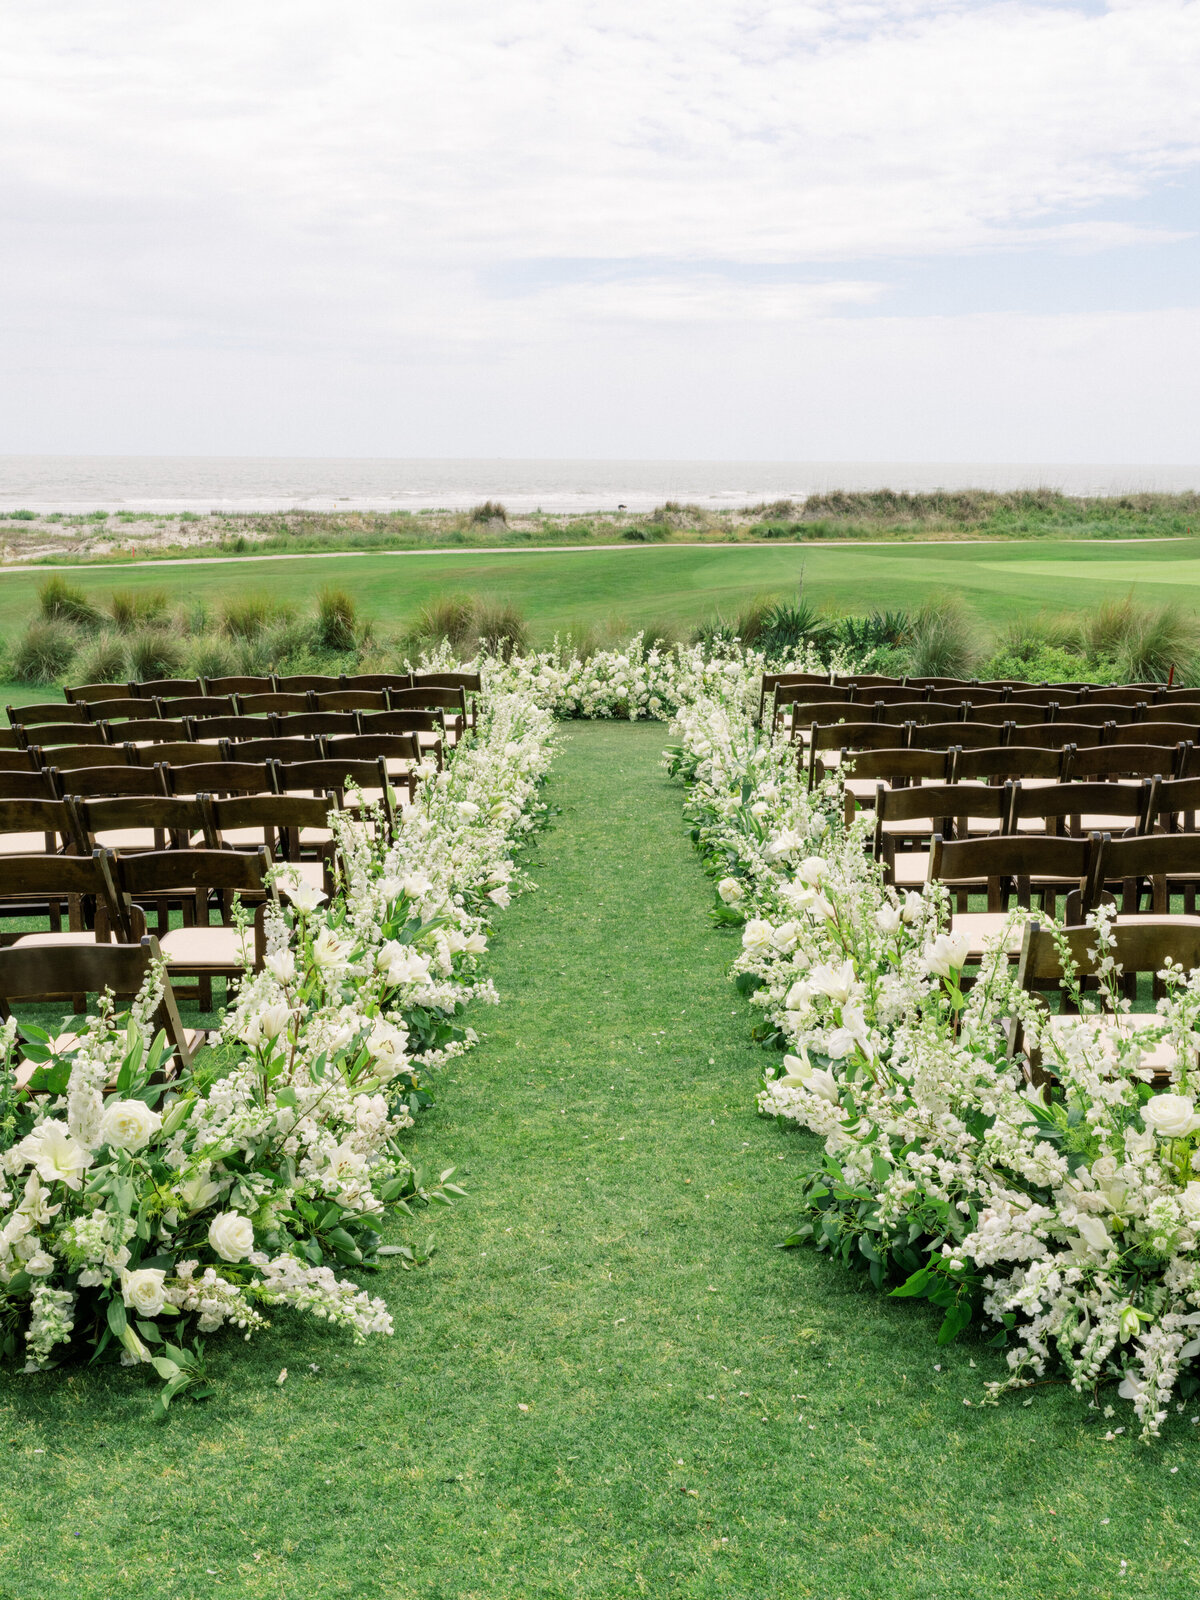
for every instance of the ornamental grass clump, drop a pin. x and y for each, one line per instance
(44, 653)
(942, 638)
(60, 601)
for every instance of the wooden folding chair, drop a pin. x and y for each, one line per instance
(129, 823)
(173, 688)
(48, 885)
(220, 777)
(47, 712)
(36, 827)
(1010, 869)
(200, 882)
(39, 976)
(89, 693)
(911, 817)
(1140, 947)
(1078, 809)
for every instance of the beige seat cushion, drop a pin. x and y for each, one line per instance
(29, 939)
(316, 835)
(216, 949)
(912, 871)
(980, 926)
(126, 839)
(22, 844)
(243, 838)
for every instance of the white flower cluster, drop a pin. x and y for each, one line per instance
(133, 1208)
(1061, 1203)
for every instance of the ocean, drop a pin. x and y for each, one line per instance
(277, 483)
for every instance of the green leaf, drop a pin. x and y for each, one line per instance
(165, 1367)
(918, 1284)
(117, 1320)
(955, 1321)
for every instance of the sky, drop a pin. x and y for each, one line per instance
(900, 230)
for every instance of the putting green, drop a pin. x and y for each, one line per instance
(1125, 571)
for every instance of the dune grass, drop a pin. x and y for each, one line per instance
(609, 1382)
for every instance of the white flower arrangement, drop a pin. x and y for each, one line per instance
(1066, 1214)
(141, 1211)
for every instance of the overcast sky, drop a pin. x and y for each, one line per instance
(901, 230)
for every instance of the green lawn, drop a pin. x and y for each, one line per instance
(707, 1415)
(634, 585)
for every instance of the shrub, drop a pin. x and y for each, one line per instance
(249, 616)
(103, 659)
(1143, 642)
(337, 620)
(61, 601)
(501, 629)
(45, 652)
(21, 516)
(449, 620)
(942, 638)
(787, 624)
(489, 511)
(132, 609)
(210, 656)
(662, 634)
(154, 653)
(1036, 661)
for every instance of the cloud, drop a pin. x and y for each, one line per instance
(320, 191)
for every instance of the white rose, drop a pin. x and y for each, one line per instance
(812, 869)
(143, 1290)
(1189, 1203)
(731, 891)
(1171, 1116)
(756, 935)
(128, 1124)
(40, 1264)
(231, 1236)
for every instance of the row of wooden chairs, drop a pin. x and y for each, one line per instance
(825, 740)
(1098, 714)
(864, 770)
(274, 683)
(201, 709)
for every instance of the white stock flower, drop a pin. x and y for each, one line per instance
(731, 891)
(1171, 1116)
(128, 1124)
(55, 1155)
(143, 1290)
(231, 1235)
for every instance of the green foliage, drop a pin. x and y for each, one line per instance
(21, 516)
(44, 652)
(338, 621)
(501, 629)
(60, 601)
(943, 638)
(132, 609)
(103, 659)
(248, 616)
(155, 653)
(489, 511)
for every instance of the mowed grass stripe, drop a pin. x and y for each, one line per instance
(665, 584)
(614, 1270)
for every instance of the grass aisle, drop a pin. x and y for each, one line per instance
(610, 1382)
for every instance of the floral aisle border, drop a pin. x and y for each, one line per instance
(1068, 1218)
(149, 1217)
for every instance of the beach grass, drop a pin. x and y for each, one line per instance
(609, 1382)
